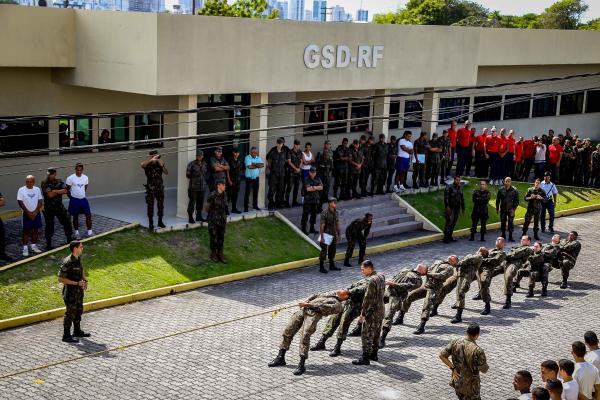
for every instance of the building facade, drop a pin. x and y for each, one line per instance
(362, 15)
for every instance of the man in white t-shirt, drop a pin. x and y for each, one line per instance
(570, 386)
(405, 153)
(77, 184)
(30, 200)
(593, 354)
(585, 373)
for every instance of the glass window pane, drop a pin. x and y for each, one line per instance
(148, 126)
(394, 122)
(487, 108)
(413, 113)
(593, 101)
(337, 112)
(456, 108)
(120, 129)
(518, 109)
(544, 106)
(314, 114)
(571, 103)
(23, 135)
(360, 110)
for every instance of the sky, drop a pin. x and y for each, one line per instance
(509, 7)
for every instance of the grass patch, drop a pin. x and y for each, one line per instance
(431, 204)
(135, 260)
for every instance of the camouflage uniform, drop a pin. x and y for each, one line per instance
(321, 305)
(534, 209)
(373, 310)
(154, 189)
(467, 271)
(445, 165)
(407, 281)
(196, 173)
(216, 177)
(433, 162)
(380, 154)
(469, 360)
(454, 200)
(311, 203)
(507, 202)
(341, 321)
(295, 156)
(391, 163)
(595, 169)
(357, 231)
(486, 270)
(236, 170)
(217, 219)
(569, 251)
(515, 258)
(330, 219)
(481, 198)
(437, 275)
(367, 168)
(53, 207)
(538, 269)
(277, 162)
(356, 156)
(420, 146)
(324, 172)
(567, 165)
(72, 269)
(341, 173)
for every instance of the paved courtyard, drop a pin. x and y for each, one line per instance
(229, 361)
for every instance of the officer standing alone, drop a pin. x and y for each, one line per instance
(74, 281)
(507, 202)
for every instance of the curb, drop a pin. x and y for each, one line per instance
(182, 287)
(66, 246)
(10, 214)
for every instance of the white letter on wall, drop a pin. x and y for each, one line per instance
(377, 54)
(311, 56)
(364, 56)
(328, 53)
(343, 56)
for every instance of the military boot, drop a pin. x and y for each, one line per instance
(544, 289)
(563, 285)
(384, 333)
(300, 369)
(221, 257)
(150, 223)
(303, 229)
(472, 237)
(421, 327)
(160, 223)
(477, 296)
(332, 266)
(337, 350)
(507, 303)
(486, 309)
(363, 360)
(67, 338)
(49, 244)
(347, 262)
(529, 292)
(482, 237)
(399, 320)
(191, 219)
(458, 317)
(510, 237)
(374, 355)
(503, 235)
(357, 331)
(454, 307)
(434, 311)
(320, 345)
(77, 332)
(535, 235)
(322, 268)
(279, 360)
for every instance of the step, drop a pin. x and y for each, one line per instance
(381, 221)
(388, 208)
(389, 230)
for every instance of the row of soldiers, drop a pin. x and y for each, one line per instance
(365, 299)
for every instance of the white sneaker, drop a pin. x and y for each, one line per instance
(90, 233)
(395, 189)
(25, 251)
(35, 249)
(76, 235)
(401, 188)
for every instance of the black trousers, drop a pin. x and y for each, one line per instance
(327, 252)
(481, 164)
(355, 180)
(233, 193)
(476, 218)
(378, 180)
(251, 186)
(451, 219)
(196, 201)
(390, 177)
(365, 173)
(362, 248)
(309, 209)
(63, 219)
(418, 177)
(2, 238)
(293, 187)
(275, 193)
(527, 165)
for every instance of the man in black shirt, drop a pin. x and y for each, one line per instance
(196, 172)
(312, 200)
(236, 169)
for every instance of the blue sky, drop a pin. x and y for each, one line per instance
(512, 7)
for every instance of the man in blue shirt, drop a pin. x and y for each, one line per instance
(549, 203)
(253, 165)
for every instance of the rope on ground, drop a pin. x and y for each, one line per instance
(273, 313)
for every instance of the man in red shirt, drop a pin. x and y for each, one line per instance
(519, 158)
(463, 150)
(491, 154)
(502, 150)
(452, 136)
(510, 154)
(555, 151)
(481, 163)
(528, 157)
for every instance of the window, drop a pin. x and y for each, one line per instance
(314, 115)
(74, 133)
(517, 109)
(148, 126)
(485, 109)
(360, 110)
(119, 129)
(413, 113)
(337, 112)
(394, 115)
(456, 108)
(571, 103)
(25, 135)
(544, 106)
(593, 101)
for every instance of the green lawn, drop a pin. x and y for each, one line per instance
(135, 260)
(431, 205)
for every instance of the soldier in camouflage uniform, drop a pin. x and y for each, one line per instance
(356, 163)
(325, 170)
(154, 168)
(294, 159)
(311, 191)
(371, 315)
(433, 160)
(196, 172)
(534, 197)
(467, 271)
(391, 163)
(380, 155)
(219, 167)
(485, 273)
(358, 231)
(421, 148)
(277, 160)
(454, 204)
(396, 291)
(468, 360)
(330, 224)
(217, 220)
(507, 201)
(569, 251)
(234, 179)
(437, 274)
(595, 182)
(307, 318)
(74, 281)
(445, 165)
(538, 269)
(53, 190)
(481, 198)
(515, 258)
(367, 169)
(341, 163)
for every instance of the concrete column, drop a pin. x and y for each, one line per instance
(95, 132)
(259, 119)
(53, 136)
(131, 130)
(186, 149)
(431, 105)
(381, 112)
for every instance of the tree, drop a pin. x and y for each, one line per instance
(241, 8)
(564, 14)
(593, 25)
(433, 12)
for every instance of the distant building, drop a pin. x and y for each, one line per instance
(282, 6)
(319, 11)
(362, 15)
(338, 14)
(308, 15)
(296, 10)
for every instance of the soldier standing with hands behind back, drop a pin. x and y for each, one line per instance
(507, 202)
(154, 168)
(481, 198)
(454, 204)
(72, 276)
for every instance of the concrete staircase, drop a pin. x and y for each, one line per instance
(389, 219)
